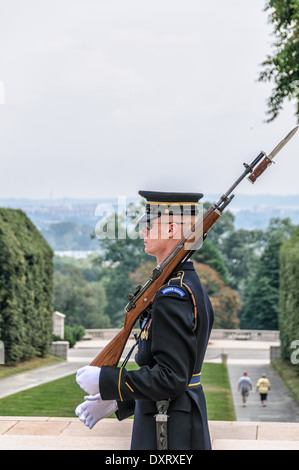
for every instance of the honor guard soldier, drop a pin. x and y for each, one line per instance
(165, 394)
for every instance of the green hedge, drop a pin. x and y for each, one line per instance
(289, 295)
(26, 288)
(72, 334)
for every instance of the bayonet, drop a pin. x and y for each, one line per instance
(268, 160)
(282, 143)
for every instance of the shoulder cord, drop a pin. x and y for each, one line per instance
(194, 306)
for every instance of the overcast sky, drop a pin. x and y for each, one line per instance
(106, 97)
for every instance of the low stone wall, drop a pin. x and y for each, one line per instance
(251, 335)
(60, 349)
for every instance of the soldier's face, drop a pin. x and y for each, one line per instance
(156, 236)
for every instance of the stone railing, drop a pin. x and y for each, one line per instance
(250, 335)
(253, 335)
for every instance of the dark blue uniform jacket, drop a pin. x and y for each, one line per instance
(170, 354)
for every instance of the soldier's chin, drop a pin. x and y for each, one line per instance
(147, 250)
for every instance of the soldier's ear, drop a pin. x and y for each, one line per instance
(173, 229)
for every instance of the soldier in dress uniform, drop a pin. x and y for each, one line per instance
(171, 347)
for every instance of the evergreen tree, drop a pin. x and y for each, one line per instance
(241, 252)
(261, 304)
(289, 295)
(26, 288)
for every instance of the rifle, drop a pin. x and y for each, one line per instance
(141, 299)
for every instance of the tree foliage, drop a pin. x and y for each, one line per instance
(26, 288)
(282, 67)
(261, 305)
(82, 302)
(225, 301)
(289, 295)
(120, 256)
(240, 268)
(209, 254)
(241, 251)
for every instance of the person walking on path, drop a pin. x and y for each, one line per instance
(244, 386)
(263, 387)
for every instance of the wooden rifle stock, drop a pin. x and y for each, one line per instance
(260, 169)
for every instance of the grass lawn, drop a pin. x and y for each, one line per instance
(217, 391)
(60, 397)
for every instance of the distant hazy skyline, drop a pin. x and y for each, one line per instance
(103, 98)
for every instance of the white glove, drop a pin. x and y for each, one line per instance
(88, 378)
(94, 409)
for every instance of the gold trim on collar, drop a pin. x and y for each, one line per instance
(173, 203)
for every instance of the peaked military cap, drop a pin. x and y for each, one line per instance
(165, 203)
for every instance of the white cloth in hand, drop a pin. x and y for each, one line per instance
(93, 409)
(88, 378)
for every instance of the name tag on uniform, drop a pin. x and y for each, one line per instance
(173, 289)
